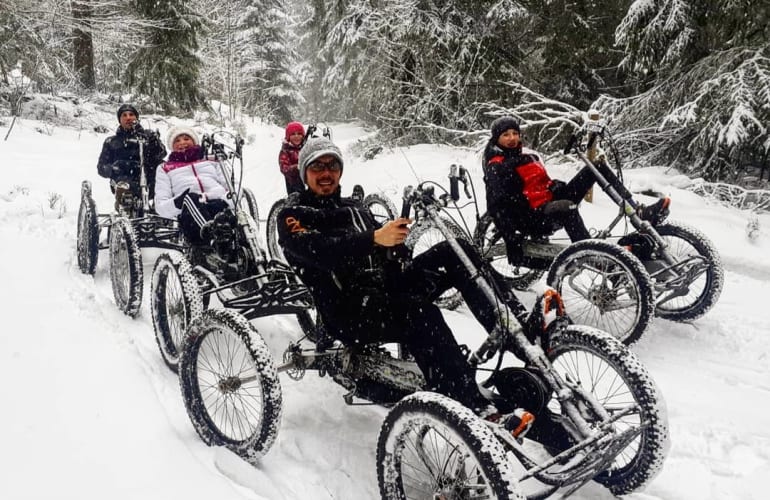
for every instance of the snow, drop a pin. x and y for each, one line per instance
(91, 411)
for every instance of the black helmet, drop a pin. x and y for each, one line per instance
(127, 107)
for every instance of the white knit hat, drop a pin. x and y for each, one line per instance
(180, 130)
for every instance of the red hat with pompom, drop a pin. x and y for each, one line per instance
(293, 128)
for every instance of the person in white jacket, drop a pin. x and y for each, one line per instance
(189, 187)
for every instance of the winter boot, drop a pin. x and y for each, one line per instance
(121, 190)
(518, 422)
(656, 213)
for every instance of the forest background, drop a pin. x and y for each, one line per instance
(683, 83)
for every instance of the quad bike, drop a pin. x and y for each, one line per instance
(683, 270)
(378, 204)
(131, 226)
(612, 277)
(580, 382)
(234, 269)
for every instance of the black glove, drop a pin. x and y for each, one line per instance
(180, 199)
(557, 187)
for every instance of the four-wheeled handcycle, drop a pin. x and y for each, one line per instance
(234, 268)
(681, 276)
(599, 414)
(613, 276)
(131, 226)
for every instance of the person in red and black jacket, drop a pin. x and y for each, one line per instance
(288, 158)
(523, 200)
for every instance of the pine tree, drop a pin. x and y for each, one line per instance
(707, 68)
(575, 41)
(271, 83)
(166, 68)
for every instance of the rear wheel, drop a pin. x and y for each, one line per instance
(431, 446)
(276, 252)
(616, 378)
(492, 247)
(700, 262)
(604, 286)
(88, 236)
(230, 384)
(126, 272)
(176, 302)
(381, 208)
(423, 237)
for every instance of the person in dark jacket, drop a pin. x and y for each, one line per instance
(288, 158)
(341, 253)
(119, 159)
(523, 200)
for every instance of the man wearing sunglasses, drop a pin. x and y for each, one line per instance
(362, 295)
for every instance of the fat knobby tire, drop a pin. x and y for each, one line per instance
(654, 439)
(269, 408)
(88, 236)
(126, 273)
(172, 314)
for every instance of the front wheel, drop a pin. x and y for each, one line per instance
(431, 446)
(700, 266)
(88, 235)
(614, 376)
(230, 384)
(380, 206)
(176, 302)
(604, 286)
(423, 237)
(276, 252)
(126, 273)
(491, 246)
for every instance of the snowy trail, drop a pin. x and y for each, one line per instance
(94, 410)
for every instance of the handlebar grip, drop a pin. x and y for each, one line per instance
(570, 144)
(406, 207)
(592, 139)
(454, 189)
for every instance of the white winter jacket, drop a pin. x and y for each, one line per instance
(201, 176)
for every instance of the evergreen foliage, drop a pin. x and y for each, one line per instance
(166, 67)
(708, 67)
(685, 83)
(250, 63)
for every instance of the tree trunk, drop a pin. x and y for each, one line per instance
(83, 45)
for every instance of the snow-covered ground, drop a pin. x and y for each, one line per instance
(90, 410)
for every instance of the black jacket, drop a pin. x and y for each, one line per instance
(506, 201)
(329, 241)
(119, 159)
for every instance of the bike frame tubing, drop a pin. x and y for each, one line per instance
(628, 209)
(142, 177)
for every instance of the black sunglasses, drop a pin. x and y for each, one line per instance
(318, 167)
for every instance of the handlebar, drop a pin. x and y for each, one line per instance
(595, 130)
(219, 149)
(406, 204)
(423, 195)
